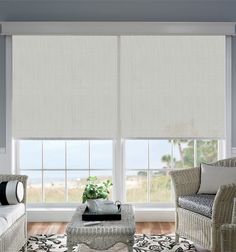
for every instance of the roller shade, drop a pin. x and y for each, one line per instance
(64, 86)
(173, 86)
(169, 86)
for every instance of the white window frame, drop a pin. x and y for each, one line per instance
(221, 155)
(118, 190)
(42, 170)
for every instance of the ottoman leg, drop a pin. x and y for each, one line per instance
(130, 244)
(69, 248)
(130, 248)
(24, 248)
(176, 238)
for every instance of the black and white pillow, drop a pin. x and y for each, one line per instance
(11, 192)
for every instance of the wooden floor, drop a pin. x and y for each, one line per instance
(141, 228)
(60, 227)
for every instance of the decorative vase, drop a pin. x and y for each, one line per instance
(93, 204)
(103, 206)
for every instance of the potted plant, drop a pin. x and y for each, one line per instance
(95, 192)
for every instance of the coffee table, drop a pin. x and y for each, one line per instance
(104, 235)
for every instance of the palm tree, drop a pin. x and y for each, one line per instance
(167, 160)
(181, 153)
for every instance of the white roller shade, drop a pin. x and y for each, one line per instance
(173, 86)
(64, 86)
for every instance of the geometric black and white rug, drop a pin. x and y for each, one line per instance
(143, 243)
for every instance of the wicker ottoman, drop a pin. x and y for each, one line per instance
(104, 235)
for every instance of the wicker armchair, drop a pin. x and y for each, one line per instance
(15, 237)
(202, 230)
(228, 234)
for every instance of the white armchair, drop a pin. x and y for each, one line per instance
(204, 230)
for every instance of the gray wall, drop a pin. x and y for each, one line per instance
(2, 94)
(118, 10)
(234, 92)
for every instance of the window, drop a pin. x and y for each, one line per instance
(58, 169)
(148, 162)
(163, 96)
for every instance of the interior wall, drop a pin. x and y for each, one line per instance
(234, 93)
(119, 10)
(5, 111)
(2, 95)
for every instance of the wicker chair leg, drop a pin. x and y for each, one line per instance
(176, 238)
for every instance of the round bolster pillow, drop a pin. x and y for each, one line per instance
(11, 192)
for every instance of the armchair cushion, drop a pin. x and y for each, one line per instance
(3, 225)
(212, 177)
(10, 213)
(201, 204)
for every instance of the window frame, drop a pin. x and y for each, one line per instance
(42, 170)
(118, 173)
(221, 155)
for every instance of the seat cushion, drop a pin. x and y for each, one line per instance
(201, 204)
(3, 225)
(9, 214)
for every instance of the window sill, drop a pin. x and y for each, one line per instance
(64, 214)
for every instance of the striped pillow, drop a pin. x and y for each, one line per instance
(11, 192)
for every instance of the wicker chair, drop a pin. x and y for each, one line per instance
(15, 237)
(228, 234)
(202, 230)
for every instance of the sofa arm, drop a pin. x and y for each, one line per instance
(21, 178)
(185, 182)
(222, 209)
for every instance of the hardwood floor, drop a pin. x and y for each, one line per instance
(141, 228)
(60, 227)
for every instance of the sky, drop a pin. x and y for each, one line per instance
(77, 157)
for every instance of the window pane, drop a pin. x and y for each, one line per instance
(101, 154)
(207, 151)
(102, 175)
(30, 154)
(34, 186)
(160, 186)
(78, 154)
(76, 184)
(136, 154)
(136, 186)
(183, 153)
(54, 154)
(54, 186)
(160, 154)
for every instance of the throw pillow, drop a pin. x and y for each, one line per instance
(11, 192)
(212, 177)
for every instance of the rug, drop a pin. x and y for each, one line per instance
(143, 243)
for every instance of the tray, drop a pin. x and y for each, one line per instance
(90, 216)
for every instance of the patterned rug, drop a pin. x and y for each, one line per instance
(143, 243)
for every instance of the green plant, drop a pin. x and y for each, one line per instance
(93, 190)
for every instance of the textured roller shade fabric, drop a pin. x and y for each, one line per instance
(173, 86)
(64, 86)
(139, 86)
